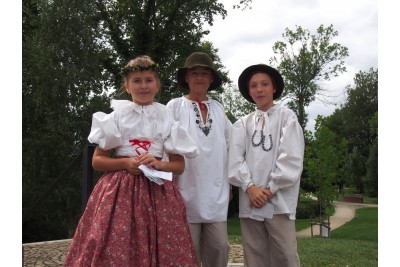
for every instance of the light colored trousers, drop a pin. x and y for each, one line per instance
(211, 243)
(269, 243)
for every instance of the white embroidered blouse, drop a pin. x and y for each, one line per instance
(133, 129)
(204, 184)
(274, 160)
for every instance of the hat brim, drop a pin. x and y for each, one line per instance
(244, 78)
(182, 81)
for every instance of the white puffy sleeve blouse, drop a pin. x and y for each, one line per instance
(133, 129)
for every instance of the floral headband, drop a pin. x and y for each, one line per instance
(128, 69)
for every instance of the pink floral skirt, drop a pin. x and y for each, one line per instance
(130, 221)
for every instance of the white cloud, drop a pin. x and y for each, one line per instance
(246, 37)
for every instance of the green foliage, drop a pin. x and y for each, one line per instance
(168, 31)
(324, 157)
(236, 106)
(245, 3)
(307, 209)
(305, 59)
(371, 177)
(357, 122)
(72, 54)
(57, 46)
(360, 107)
(352, 121)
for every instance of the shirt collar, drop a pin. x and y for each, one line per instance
(127, 106)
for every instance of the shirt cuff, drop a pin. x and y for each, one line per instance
(247, 184)
(273, 187)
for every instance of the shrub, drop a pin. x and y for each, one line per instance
(307, 209)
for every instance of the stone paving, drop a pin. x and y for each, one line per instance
(41, 254)
(52, 253)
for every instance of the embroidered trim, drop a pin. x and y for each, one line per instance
(205, 128)
(262, 138)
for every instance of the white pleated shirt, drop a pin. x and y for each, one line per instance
(204, 184)
(278, 167)
(130, 123)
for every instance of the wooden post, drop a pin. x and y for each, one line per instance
(87, 179)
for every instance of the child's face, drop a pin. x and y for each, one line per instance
(199, 79)
(262, 90)
(142, 86)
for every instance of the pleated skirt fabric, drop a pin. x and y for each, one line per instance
(131, 221)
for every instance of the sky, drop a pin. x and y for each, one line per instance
(246, 37)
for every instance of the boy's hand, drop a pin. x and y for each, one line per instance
(258, 196)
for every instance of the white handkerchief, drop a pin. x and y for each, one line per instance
(266, 212)
(155, 175)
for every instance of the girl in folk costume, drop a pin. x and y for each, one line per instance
(134, 218)
(266, 161)
(204, 184)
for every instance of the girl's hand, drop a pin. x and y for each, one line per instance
(150, 161)
(132, 165)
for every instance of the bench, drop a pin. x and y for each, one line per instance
(353, 198)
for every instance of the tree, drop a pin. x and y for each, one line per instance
(360, 107)
(72, 54)
(353, 121)
(235, 105)
(61, 69)
(324, 158)
(245, 3)
(168, 31)
(304, 60)
(371, 177)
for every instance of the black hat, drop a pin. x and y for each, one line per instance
(198, 59)
(244, 79)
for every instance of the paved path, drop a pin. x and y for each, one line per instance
(52, 253)
(344, 212)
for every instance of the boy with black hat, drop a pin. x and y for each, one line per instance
(266, 161)
(204, 183)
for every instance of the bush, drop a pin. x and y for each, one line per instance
(307, 209)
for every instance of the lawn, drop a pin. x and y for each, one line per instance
(354, 244)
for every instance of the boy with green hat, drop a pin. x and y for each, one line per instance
(204, 183)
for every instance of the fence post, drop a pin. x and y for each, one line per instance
(87, 181)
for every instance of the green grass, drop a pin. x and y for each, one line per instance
(320, 251)
(364, 226)
(354, 244)
(302, 224)
(234, 234)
